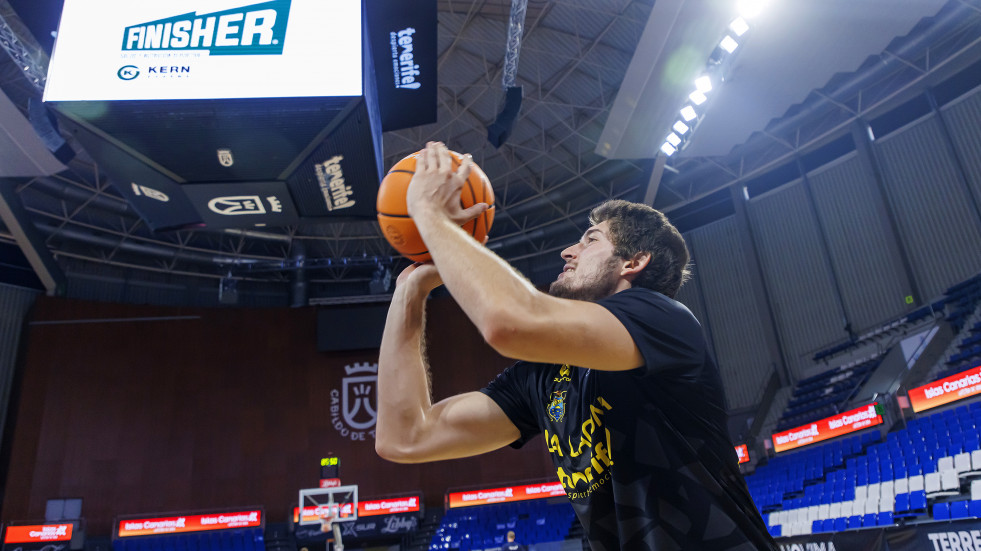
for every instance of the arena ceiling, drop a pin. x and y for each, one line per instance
(602, 82)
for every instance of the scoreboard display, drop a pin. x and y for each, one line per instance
(330, 467)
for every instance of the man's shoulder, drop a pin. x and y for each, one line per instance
(643, 299)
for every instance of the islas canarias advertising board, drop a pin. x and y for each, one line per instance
(188, 523)
(946, 390)
(504, 494)
(37, 533)
(206, 49)
(829, 427)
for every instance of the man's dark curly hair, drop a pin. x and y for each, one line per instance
(637, 228)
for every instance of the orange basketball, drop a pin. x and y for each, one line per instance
(393, 214)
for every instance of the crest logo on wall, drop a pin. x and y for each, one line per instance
(353, 407)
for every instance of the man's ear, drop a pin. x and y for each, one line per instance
(630, 268)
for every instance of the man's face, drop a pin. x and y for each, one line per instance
(591, 269)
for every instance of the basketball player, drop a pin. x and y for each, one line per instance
(612, 371)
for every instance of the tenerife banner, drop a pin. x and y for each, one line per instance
(402, 39)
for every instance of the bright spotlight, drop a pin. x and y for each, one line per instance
(673, 139)
(703, 84)
(750, 8)
(729, 44)
(688, 113)
(668, 149)
(697, 97)
(680, 127)
(739, 26)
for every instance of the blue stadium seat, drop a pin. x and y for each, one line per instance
(885, 519)
(841, 524)
(854, 522)
(902, 505)
(974, 508)
(958, 510)
(941, 511)
(869, 520)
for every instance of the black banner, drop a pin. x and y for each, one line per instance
(241, 205)
(861, 540)
(364, 528)
(962, 535)
(340, 177)
(402, 41)
(157, 198)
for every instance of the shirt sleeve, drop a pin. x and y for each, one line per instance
(666, 333)
(513, 390)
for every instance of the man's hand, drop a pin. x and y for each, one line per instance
(435, 187)
(421, 274)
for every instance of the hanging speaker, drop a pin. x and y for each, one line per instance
(46, 127)
(500, 130)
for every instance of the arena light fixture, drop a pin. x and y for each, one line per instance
(750, 8)
(668, 149)
(697, 97)
(739, 26)
(729, 44)
(703, 84)
(688, 113)
(681, 128)
(673, 139)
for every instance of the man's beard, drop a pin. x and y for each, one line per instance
(598, 286)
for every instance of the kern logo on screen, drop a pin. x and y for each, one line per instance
(257, 29)
(353, 409)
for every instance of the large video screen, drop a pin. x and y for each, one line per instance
(206, 49)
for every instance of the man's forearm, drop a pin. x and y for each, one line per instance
(403, 374)
(482, 283)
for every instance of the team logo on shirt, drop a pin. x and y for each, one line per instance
(563, 374)
(556, 409)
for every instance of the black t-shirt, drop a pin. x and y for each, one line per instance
(514, 547)
(643, 454)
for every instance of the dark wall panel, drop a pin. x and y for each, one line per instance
(806, 306)
(735, 320)
(859, 239)
(193, 409)
(939, 226)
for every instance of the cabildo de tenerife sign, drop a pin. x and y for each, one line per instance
(353, 407)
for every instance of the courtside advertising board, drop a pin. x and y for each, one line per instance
(944, 391)
(181, 524)
(829, 427)
(206, 49)
(503, 495)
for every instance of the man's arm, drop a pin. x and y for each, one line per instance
(410, 428)
(514, 318)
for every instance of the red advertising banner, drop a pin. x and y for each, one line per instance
(742, 452)
(38, 533)
(508, 493)
(189, 523)
(829, 427)
(310, 514)
(946, 390)
(390, 506)
(369, 508)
